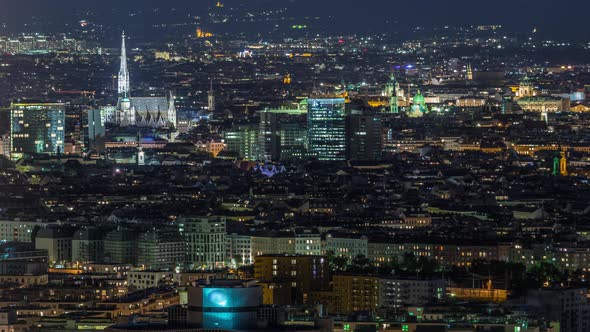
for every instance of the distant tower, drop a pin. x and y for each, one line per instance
(211, 98)
(563, 164)
(171, 109)
(469, 72)
(545, 115)
(391, 90)
(123, 72)
(555, 165)
(140, 152)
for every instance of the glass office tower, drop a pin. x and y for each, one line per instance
(326, 125)
(36, 128)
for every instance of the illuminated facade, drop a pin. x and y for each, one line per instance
(326, 125)
(391, 91)
(546, 104)
(123, 87)
(290, 279)
(5, 146)
(418, 107)
(206, 242)
(244, 140)
(153, 112)
(36, 128)
(224, 305)
(526, 88)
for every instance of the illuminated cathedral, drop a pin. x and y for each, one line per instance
(153, 112)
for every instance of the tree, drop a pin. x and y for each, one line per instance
(336, 263)
(361, 264)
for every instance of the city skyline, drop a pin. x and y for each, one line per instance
(551, 20)
(294, 166)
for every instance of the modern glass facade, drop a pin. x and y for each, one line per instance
(244, 140)
(326, 122)
(36, 128)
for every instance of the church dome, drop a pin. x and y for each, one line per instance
(418, 98)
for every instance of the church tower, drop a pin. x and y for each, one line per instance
(123, 72)
(391, 91)
(563, 163)
(545, 115)
(469, 72)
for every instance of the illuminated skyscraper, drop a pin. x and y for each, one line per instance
(364, 136)
(123, 72)
(36, 128)
(326, 122)
(96, 131)
(211, 98)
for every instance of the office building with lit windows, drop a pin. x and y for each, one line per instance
(326, 125)
(364, 136)
(206, 242)
(36, 128)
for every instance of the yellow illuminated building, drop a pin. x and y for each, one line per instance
(356, 292)
(203, 34)
(563, 164)
(287, 79)
(488, 294)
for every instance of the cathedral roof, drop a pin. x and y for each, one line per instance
(149, 103)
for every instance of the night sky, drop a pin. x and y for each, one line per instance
(563, 19)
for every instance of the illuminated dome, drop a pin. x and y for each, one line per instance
(525, 81)
(418, 98)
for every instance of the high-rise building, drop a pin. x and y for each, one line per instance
(57, 242)
(120, 246)
(95, 139)
(364, 136)
(160, 250)
(36, 128)
(123, 86)
(281, 130)
(269, 136)
(211, 98)
(326, 125)
(87, 245)
(206, 242)
(244, 140)
(294, 144)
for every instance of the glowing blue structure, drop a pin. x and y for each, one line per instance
(224, 304)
